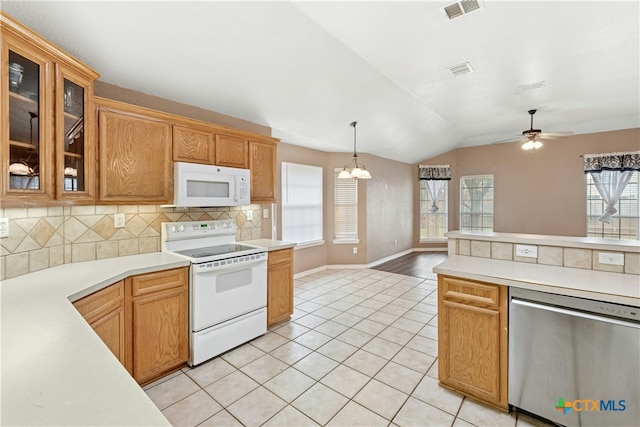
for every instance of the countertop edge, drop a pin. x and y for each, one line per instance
(73, 378)
(270, 244)
(549, 240)
(622, 288)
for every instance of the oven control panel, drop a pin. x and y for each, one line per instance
(195, 229)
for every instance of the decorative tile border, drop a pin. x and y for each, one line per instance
(549, 255)
(46, 237)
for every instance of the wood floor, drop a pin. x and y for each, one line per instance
(419, 264)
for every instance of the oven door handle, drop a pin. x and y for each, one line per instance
(203, 268)
(575, 313)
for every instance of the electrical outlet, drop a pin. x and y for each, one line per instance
(528, 251)
(265, 213)
(118, 220)
(611, 258)
(355, 250)
(4, 227)
(249, 215)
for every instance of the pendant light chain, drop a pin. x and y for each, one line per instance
(354, 170)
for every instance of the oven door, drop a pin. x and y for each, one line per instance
(223, 293)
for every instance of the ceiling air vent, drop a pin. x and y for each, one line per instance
(460, 69)
(530, 87)
(461, 7)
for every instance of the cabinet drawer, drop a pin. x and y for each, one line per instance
(101, 302)
(483, 295)
(280, 256)
(159, 281)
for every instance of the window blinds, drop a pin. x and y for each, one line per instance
(301, 203)
(345, 204)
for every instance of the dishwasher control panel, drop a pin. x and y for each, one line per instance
(587, 305)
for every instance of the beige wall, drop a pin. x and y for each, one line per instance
(543, 192)
(390, 207)
(385, 206)
(118, 93)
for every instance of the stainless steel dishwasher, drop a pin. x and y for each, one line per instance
(574, 361)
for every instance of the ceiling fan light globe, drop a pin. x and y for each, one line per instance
(356, 173)
(528, 145)
(537, 144)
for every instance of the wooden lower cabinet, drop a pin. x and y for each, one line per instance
(159, 323)
(144, 321)
(104, 311)
(473, 338)
(279, 286)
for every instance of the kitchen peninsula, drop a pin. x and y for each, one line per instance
(481, 340)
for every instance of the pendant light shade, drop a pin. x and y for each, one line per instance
(354, 170)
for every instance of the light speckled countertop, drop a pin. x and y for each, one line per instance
(599, 285)
(55, 369)
(271, 245)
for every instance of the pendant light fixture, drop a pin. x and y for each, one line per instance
(354, 170)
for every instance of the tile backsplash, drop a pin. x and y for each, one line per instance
(549, 255)
(46, 237)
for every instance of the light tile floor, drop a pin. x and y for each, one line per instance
(360, 350)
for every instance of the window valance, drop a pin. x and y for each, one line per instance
(434, 172)
(624, 161)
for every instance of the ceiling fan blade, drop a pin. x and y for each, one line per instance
(550, 137)
(560, 133)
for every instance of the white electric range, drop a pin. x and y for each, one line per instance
(227, 285)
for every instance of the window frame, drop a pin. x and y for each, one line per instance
(317, 205)
(346, 238)
(607, 231)
(439, 213)
(482, 214)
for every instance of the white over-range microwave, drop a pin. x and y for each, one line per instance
(197, 185)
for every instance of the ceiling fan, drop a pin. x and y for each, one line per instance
(532, 138)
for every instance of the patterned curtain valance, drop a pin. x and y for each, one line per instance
(626, 161)
(434, 172)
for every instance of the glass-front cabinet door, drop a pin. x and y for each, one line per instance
(46, 133)
(74, 172)
(25, 125)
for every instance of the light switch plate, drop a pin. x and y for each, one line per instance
(4, 227)
(528, 251)
(249, 215)
(611, 258)
(265, 213)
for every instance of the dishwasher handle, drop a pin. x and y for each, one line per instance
(575, 313)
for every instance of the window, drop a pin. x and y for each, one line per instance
(301, 203)
(624, 223)
(433, 213)
(476, 203)
(345, 202)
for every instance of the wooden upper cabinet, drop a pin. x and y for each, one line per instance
(135, 159)
(232, 151)
(75, 150)
(193, 145)
(45, 109)
(262, 162)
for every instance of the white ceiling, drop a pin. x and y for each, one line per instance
(308, 69)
